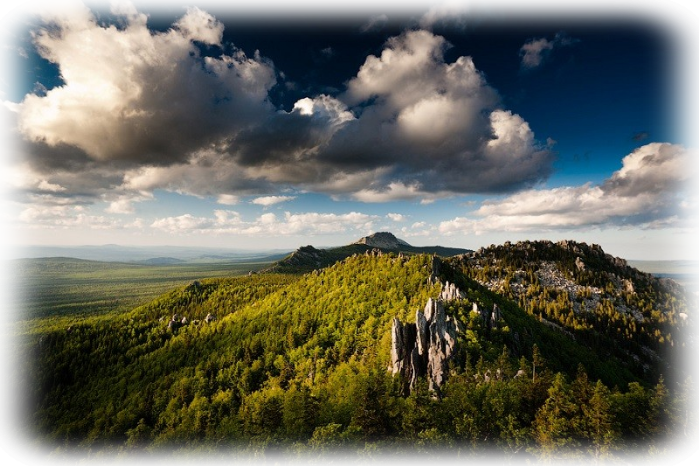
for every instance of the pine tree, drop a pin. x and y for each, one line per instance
(552, 425)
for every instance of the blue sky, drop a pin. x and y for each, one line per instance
(139, 124)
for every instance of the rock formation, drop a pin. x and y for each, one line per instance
(450, 292)
(425, 347)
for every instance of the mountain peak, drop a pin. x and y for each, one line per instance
(383, 240)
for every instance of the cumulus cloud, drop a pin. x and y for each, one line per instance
(133, 95)
(535, 51)
(396, 217)
(448, 12)
(64, 217)
(140, 110)
(124, 204)
(231, 222)
(272, 200)
(374, 23)
(654, 169)
(648, 192)
(228, 199)
(409, 126)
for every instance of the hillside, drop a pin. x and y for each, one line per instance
(308, 258)
(332, 358)
(592, 297)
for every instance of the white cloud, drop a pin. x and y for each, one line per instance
(646, 192)
(123, 204)
(200, 26)
(272, 200)
(451, 12)
(227, 199)
(141, 96)
(535, 51)
(654, 168)
(65, 217)
(397, 217)
(268, 224)
(182, 223)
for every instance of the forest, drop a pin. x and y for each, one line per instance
(298, 362)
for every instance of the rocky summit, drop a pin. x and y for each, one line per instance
(383, 240)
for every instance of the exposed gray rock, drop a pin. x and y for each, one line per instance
(442, 345)
(402, 353)
(425, 347)
(423, 335)
(209, 318)
(450, 292)
(495, 316)
(579, 264)
(397, 346)
(490, 317)
(671, 286)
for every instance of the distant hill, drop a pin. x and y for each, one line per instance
(309, 258)
(383, 240)
(150, 255)
(161, 261)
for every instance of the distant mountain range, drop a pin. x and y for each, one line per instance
(151, 255)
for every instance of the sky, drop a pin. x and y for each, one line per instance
(204, 125)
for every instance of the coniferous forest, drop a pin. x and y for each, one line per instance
(584, 360)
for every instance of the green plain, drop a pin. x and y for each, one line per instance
(67, 288)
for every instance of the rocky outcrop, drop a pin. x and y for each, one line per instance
(425, 347)
(383, 240)
(491, 317)
(450, 292)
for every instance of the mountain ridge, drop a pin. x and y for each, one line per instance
(308, 258)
